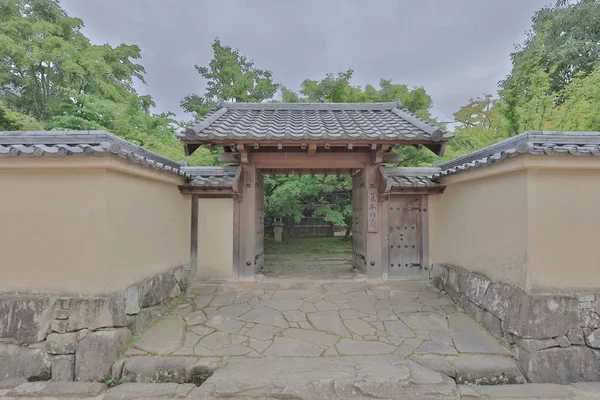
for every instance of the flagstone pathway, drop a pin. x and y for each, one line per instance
(283, 334)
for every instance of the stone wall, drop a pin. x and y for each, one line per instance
(76, 338)
(556, 338)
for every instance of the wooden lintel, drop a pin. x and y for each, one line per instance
(392, 158)
(229, 158)
(312, 149)
(243, 153)
(303, 160)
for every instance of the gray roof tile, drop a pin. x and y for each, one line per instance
(81, 143)
(329, 121)
(408, 177)
(547, 143)
(212, 177)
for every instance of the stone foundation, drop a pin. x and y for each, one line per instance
(74, 338)
(556, 338)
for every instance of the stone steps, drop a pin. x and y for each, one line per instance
(338, 388)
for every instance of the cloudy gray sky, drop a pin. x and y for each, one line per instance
(456, 49)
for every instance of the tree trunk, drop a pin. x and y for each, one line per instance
(348, 231)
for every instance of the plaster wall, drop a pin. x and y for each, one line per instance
(530, 221)
(480, 223)
(215, 238)
(564, 216)
(88, 225)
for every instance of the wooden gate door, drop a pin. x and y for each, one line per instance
(405, 238)
(259, 257)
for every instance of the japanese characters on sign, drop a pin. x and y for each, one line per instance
(372, 206)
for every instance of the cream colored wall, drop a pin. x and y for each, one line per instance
(564, 216)
(480, 222)
(88, 225)
(215, 238)
(530, 221)
(148, 227)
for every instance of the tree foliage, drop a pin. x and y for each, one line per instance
(229, 76)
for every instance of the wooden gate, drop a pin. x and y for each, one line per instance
(405, 239)
(259, 257)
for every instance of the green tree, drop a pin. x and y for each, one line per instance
(15, 121)
(229, 76)
(46, 62)
(562, 45)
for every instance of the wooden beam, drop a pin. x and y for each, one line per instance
(303, 160)
(392, 158)
(230, 158)
(243, 153)
(312, 149)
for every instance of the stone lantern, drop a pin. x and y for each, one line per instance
(278, 227)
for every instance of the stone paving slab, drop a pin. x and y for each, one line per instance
(381, 378)
(129, 391)
(314, 319)
(58, 389)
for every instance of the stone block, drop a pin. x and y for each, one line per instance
(587, 298)
(593, 339)
(132, 300)
(25, 319)
(590, 319)
(96, 312)
(576, 336)
(137, 323)
(558, 365)
(64, 303)
(60, 314)
(149, 369)
(182, 276)
(486, 370)
(117, 370)
(23, 362)
(96, 353)
(63, 368)
(497, 299)
(563, 341)
(64, 343)
(533, 345)
(541, 317)
(59, 325)
(157, 289)
(58, 389)
(477, 285)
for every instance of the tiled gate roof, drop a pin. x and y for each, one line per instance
(309, 121)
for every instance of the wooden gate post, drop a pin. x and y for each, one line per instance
(247, 232)
(374, 226)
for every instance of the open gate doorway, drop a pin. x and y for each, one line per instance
(307, 247)
(309, 138)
